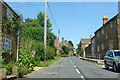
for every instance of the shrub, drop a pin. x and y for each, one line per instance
(22, 71)
(74, 54)
(1, 62)
(50, 53)
(9, 67)
(26, 55)
(63, 54)
(65, 49)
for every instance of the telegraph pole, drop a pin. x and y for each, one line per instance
(45, 28)
(58, 41)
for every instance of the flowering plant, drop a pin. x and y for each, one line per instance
(25, 55)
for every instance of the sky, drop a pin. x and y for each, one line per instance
(76, 20)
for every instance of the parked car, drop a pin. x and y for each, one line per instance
(112, 59)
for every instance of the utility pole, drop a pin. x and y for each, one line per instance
(58, 41)
(45, 28)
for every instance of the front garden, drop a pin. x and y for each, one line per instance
(31, 47)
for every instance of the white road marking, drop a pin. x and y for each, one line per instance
(74, 66)
(78, 71)
(82, 77)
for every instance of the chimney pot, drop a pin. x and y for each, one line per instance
(105, 19)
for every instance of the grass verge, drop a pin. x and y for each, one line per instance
(48, 62)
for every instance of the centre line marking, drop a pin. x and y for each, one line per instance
(74, 66)
(78, 71)
(82, 77)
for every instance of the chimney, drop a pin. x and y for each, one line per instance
(105, 19)
(91, 36)
(62, 39)
(66, 41)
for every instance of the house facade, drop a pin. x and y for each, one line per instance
(84, 42)
(93, 46)
(8, 39)
(0, 29)
(88, 51)
(108, 36)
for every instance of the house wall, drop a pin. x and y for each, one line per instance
(88, 51)
(118, 23)
(93, 46)
(0, 29)
(104, 41)
(12, 36)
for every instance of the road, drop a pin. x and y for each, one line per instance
(72, 67)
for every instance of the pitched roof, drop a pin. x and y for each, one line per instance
(107, 23)
(85, 40)
(6, 5)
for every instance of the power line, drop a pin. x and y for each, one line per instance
(52, 16)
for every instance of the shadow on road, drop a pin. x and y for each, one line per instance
(111, 69)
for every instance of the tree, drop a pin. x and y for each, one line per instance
(65, 49)
(79, 49)
(70, 43)
(34, 29)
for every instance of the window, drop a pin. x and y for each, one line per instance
(98, 49)
(111, 44)
(110, 54)
(102, 31)
(102, 46)
(106, 36)
(117, 21)
(6, 43)
(117, 53)
(9, 14)
(111, 25)
(98, 34)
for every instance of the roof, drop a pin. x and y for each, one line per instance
(9, 8)
(92, 37)
(107, 23)
(85, 40)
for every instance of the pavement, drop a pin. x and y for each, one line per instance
(72, 67)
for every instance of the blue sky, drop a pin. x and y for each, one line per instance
(76, 20)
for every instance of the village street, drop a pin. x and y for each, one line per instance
(72, 67)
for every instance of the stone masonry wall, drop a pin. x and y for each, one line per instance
(0, 29)
(104, 40)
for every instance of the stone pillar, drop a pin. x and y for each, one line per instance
(4, 75)
(84, 52)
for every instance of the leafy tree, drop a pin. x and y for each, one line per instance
(34, 29)
(70, 43)
(79, 49)
(65, 49)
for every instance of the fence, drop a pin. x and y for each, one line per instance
(95, 56)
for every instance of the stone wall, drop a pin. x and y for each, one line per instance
(0, 29)
(88, 50)
(12, 36)
(106, 37)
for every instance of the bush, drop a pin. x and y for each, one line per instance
(65, 49)
(9, 67)
(63, 54)
(74, 54)
(50, 53)
(1, 62)
(26, 55)
(22, 71)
